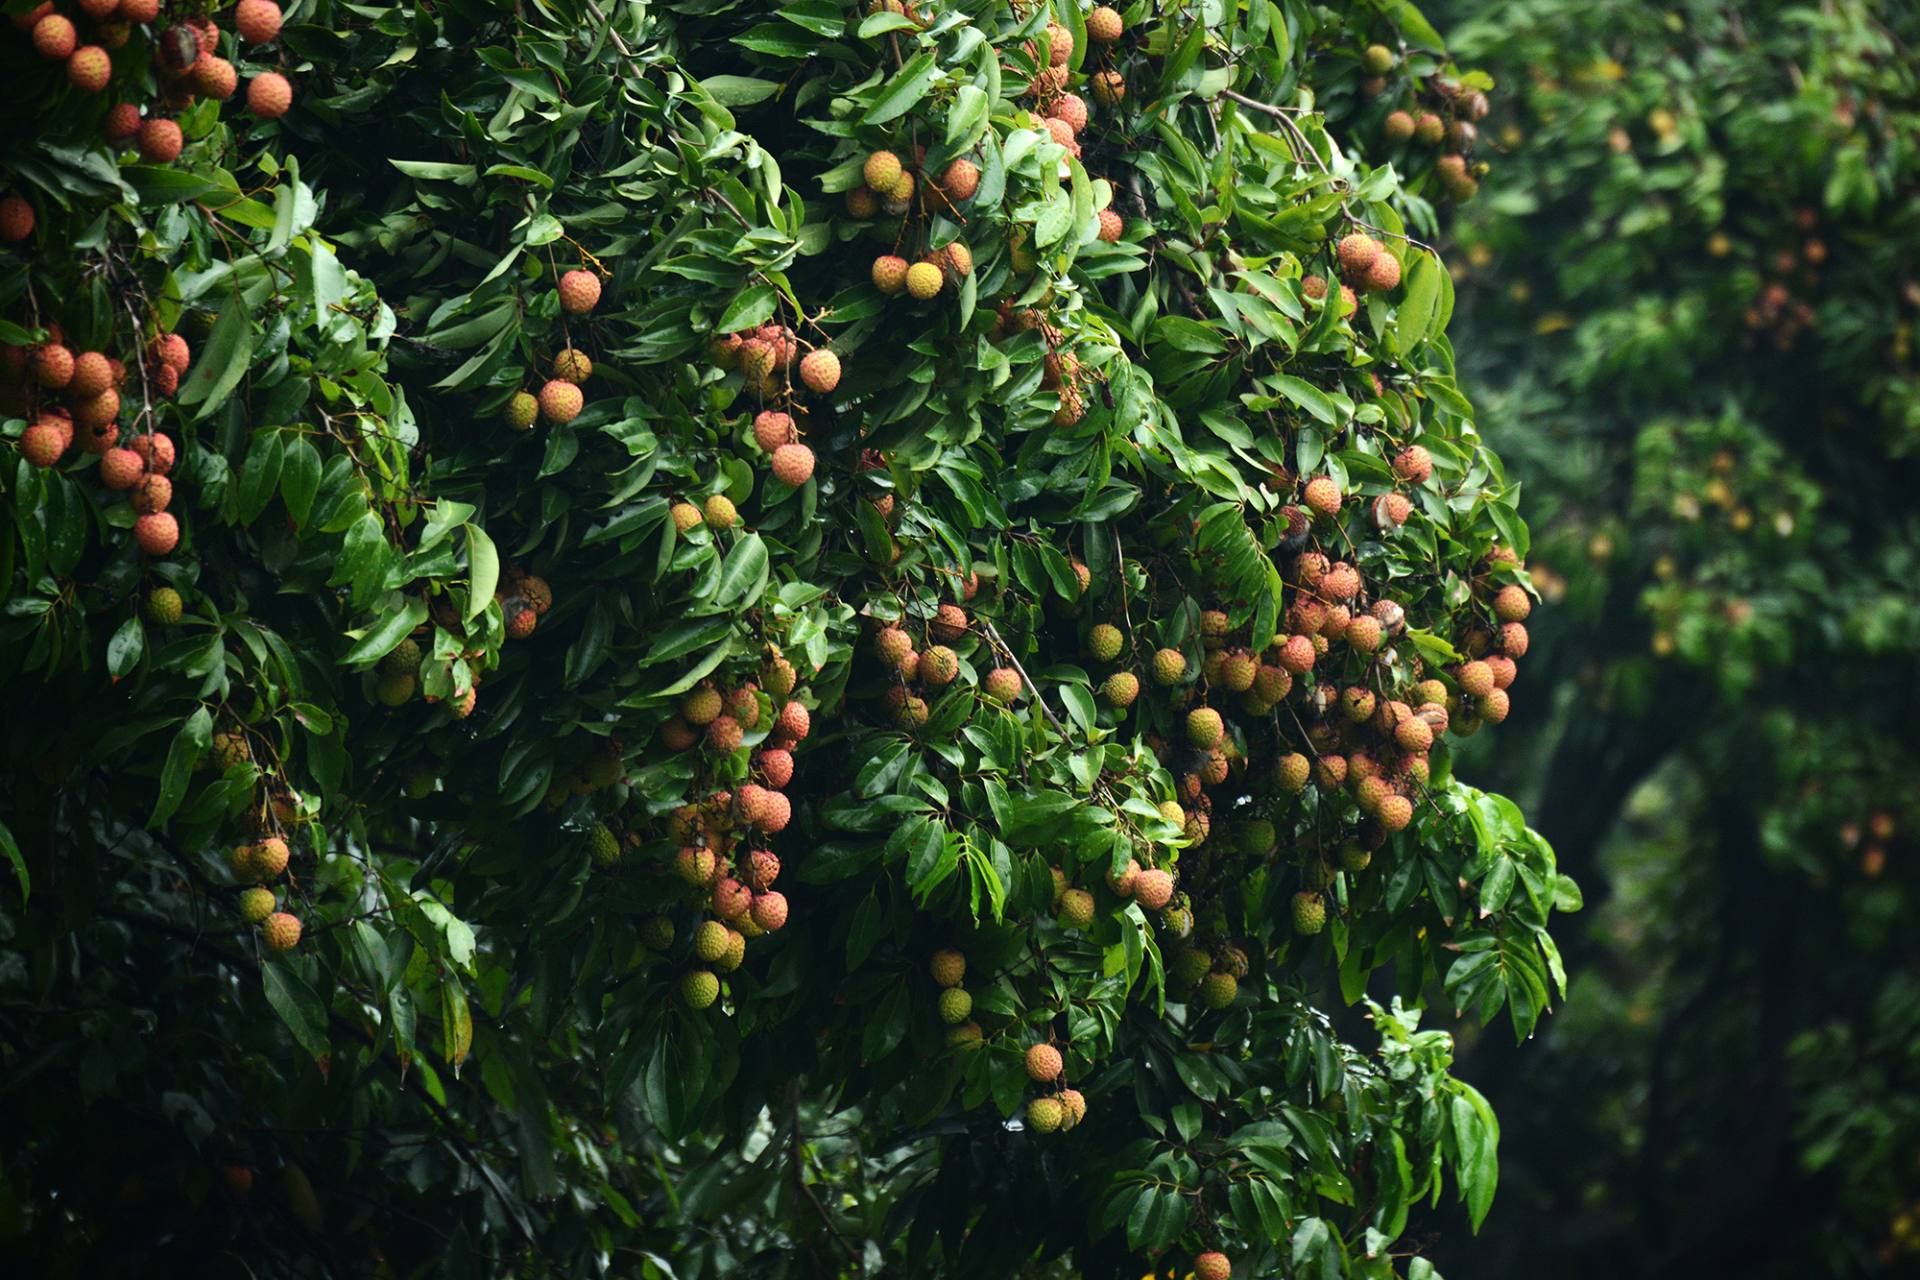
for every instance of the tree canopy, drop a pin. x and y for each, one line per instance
(708, 639)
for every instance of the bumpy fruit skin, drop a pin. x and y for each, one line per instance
(1292, 770)
(395, 688)
(1112, 227)
(1205, 728)
(1169, 667)
(16, 219)
(1045, 1115)
(700, 988)
(257, 21)
(54, 37)
(720, 511)
(820, 370)
(792, 465)
(521, 410)
(1377, 59)
(770, 910)
(955, 1005)
(1218, 990)
(1213, 1265)
(948, 967)
(881, 172)
(215, 77)
(164, 606)
(960, 179)
(1121, 688)
(890, 273)
(561, 402)
(90, 68)
(1044, 1063)
(1071, 108)
(281, 931)
(572, 366)
(1153, 889)
(924, 280)
(1429, 128)
(686, 517)
(1413, 464)
(579, 292)
(1002, 685)
(269, 95)
(1356, 253)
(1309, 913)
(1383, 275)
(1076, 909)
(256, 904)
(1190, 965)
(156, 534)
(1104, 25)
(1397, 127)
(1323, 496)
(656, 932)
(1512, 604)
(1109, 88)
(1104, 641)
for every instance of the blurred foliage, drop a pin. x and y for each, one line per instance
(1689, 295)
(624, 771)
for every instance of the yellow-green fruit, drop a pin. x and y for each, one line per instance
(1292, 770)
(656, 932)
(965, 1036)
(1190, 965)
(1309, 913)
(924, 280)
(1104, 641)
(1354, 856)
(521, 410)
(710, 941)
(403, 658)
(948, 967)
(736, 949)
(1258, 837)
(721, 513)
(686, 516)
(1121, 688)
(1045, 1115)
(881, 172)
(700, 989)
(603, 844)
(1169, 667)
(1171, 811)
(230, 749)
(395, 688)
(1205, 728)
(1076, 909)
(1218, 990)
(1378, 59)
(956, 1005)
(281, 931)
(164, 608)
(256, 905)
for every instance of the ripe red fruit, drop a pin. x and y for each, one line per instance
(97, 411)
(157, 534)
(520, 620)
(792, 464)
(579, 292)
(215, 77)
(1104, 24)
(151, 494)
(776, 766)
(960, 179)
(156, 451)
(257, 21)
(1212, 1265)
(16, 219)
(1383, 275)
(171, 349)
(92, 374)
(1512, 604)
(269, 95)
(139, 10)
(160, 141)
(89, 68)
(561, 401)
(820, 370)
(1071, 108)
(1513, 640)
(1323, 495)
(119, 468)
(43, 443)
(1153, 889)
(1111, 226)
(1044, 1063)
(281, 931)
(769, 910)
(53, 366)
(1413, 464)
(54, 37)
(771, 429)
(794, 721)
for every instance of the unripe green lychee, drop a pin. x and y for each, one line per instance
(164, 608)
(1377, 59)
(1045, 1115)
(1205, 728)
(256, 904)
(1104, 642)
(1121, 688)
(1258, 837)
(1292, 770)
(1309, 913)
(570, 365)
(1218, 990)
(720, 511)
(700, 989)
(1237, 671)
(603, 844)
(1354, 856)
(965, 1036)
(395, 688)
(710, 941)
(656, 933)
(1190, 965)
(1076, 909)
(521, 410)
(956, 1005)
(1169, 667)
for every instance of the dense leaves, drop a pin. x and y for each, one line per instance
(740, 569)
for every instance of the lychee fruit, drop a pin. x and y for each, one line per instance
(1109, 88)
(1323, 496)
(1071, 108)
(955, 1005)
(570, 365)
(269, 95)
(1212, 1265)
(699, 989)
(1104, 642)
(164, 606)
(1045, 1115)
(1512, 604)
(1413, 464)
(1383, 275)
(119, 468)
(794, 722)
(960, 179)
(1153, 889)
(1121, 688)
(1111, 226)
(881, 172)
(1395, 812)
(257, 21)
(257, 904)
(215, 77)
(151, 494)
(1076, 909)
(770, 910)
(1002, 684)
(579, 292)
(560, 401)
(724, 735)
(89, 68)
(157, 534)
(1397, 127)
(16, 219)
(890, 273)
(938, 667)
(53, 366)
(281, 931)
(1169, 667)
(1044, 1063)
(1218, 990)
(42, 443)
(792, 464)
(159, 141)
(924, 280)
(948, 967)
(1356, 253)
(771, 429)
(820, 370)
(54, 37)
(1104, 25)
(1309, 913)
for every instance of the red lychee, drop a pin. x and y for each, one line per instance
(151, 494)
(160, 141)
(792, 464)
(157, 534)
(269, 95)
(89, 68)
(579, 292)
(561, 401)
(257, 21)
(820, 370)
(119, 468)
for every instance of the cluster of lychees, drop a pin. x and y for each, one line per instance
(913, 675)
(1442, 115)
(561, 399)
(765, 356)
(885, 175)
(258, 862)
(74, 399)
(185, 61)
(1063, 114)
(723, 841)
(1780, 309)
(1364, 264)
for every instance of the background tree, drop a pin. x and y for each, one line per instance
(708, 640)
(1689, 305)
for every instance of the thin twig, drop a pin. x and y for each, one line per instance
(1025, 679)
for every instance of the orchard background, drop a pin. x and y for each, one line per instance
(822, 640)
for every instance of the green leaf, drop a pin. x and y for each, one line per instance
(750, 307)
(389, 631)
(906, 89)
(189, 745)
(483, 570)
(298, 1005)
(11, 848)
(218, 368)
(124, 650)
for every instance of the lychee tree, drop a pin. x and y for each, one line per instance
(1691, 285)
(794, 640)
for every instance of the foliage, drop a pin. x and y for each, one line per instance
(1689, 281)
(782, 576)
